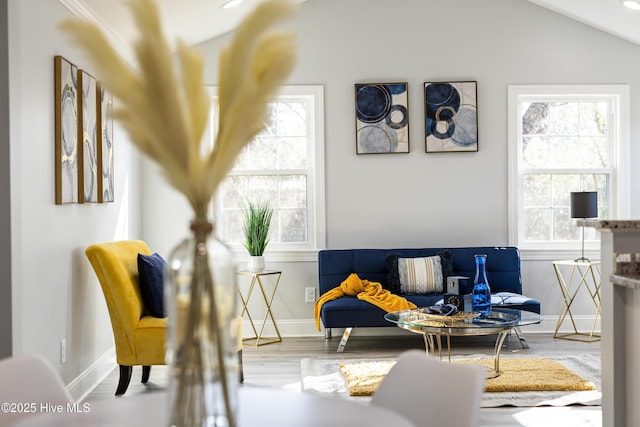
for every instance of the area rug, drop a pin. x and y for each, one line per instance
(532, 382)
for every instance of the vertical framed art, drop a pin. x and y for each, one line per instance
(87, 136)
(451, 117)
(382, 118)
(105, 145)
(66, 131)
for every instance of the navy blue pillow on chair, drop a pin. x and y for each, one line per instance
(151, 274)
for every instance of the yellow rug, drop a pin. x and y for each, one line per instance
(516, 374)
(363, 377)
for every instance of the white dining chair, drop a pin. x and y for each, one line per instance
(26, 382)
(430, 392)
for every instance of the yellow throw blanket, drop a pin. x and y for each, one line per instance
(371, 292)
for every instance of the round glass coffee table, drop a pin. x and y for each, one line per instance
(433, 327)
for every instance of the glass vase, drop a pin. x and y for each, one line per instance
(481, 295)
(201, 351)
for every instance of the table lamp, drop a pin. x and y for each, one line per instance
(584, 204)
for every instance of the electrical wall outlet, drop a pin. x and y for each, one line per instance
(63, 350)
(309, 294)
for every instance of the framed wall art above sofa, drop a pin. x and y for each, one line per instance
(382, 118)
(451, 116)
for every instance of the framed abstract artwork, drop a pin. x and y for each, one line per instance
(66, 131)
(382, 118)
(105, 145)
(451, 116)
(87, 138)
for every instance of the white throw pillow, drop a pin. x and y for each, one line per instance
(420, 275)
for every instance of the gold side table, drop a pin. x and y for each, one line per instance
(581, 275)
(268, 299)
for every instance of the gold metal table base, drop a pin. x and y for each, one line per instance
(587, 275)
(258, 339)
(431, 341)
(578, 336)
(500, 322)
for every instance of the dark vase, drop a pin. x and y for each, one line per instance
(481, 296)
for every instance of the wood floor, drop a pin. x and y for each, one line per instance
(278, 365)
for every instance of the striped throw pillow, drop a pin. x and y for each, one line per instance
(420, 275)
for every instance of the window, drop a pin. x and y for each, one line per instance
(284, 165)
(564, 139)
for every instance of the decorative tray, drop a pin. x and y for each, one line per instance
(418, 316)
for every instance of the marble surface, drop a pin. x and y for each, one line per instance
(626, 271)
(632, 282)
(626, 267)
(610, 224)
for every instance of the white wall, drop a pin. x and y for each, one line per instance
(55, 294)
(418, 199)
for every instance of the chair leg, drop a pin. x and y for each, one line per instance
(125, 377)
(241, 369)
(146, 371)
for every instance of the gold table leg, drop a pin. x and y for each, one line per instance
(583, 272)
(431, 340)
(258, 339)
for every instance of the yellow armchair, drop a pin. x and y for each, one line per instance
(139, 338)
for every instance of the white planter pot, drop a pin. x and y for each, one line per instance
(255, 264)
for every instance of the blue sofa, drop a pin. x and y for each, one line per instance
(335, 265)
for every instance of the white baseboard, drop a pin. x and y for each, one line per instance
(307, 328)
(287, 328)
(89, 379)
(584, 323)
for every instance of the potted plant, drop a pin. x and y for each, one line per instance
(257, 221)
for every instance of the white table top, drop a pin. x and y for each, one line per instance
(258, 407)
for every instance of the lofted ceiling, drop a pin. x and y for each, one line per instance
(606, 15)
(195, 21)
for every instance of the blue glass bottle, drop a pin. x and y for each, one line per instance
(481, 296)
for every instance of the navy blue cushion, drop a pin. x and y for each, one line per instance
(446, 259)
(151, 279)
(393, 278)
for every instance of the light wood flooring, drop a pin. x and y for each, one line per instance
(278, 365)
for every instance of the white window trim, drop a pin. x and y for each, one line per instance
(620, 178)
(316, 190)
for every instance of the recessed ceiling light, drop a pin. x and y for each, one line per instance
(631, 4)
(230, 3)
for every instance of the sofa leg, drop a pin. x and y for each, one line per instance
(125, 377)
(327, 333)
(344, 339)
(523, 341)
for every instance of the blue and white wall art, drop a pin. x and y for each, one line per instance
(66, 129)
(451, 118)
(105, 145)
(382, 118)
(87, 138)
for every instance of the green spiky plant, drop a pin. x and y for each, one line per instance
(257, 223)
